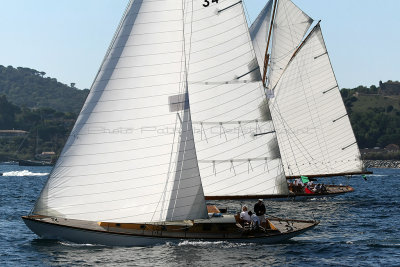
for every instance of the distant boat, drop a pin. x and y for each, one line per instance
(129, 172)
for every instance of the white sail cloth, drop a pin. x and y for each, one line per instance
(259, 32)
(130, 156)
(226, 99)
(313, 129)
(235, 145)
(289, 28)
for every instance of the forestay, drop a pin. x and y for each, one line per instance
(130, 156)
(235, 143)
(314, 131)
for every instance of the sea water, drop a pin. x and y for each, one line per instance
(356, 229)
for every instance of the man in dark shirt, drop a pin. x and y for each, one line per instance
(259, 209)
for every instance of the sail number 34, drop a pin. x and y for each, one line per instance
(207, 2)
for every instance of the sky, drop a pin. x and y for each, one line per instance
(68, 39)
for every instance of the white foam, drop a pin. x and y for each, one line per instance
(25, 173)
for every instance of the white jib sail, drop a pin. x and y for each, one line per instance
(313, 129)
(289, 28)
(130, 156)
(235, 143)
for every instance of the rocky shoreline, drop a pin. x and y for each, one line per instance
(393, 164)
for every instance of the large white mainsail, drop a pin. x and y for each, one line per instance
(314, 131)
(235, 142)
(122, 162)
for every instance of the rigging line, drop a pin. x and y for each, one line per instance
(187, 110)
(242, 164)
(275, 136)
(330, 89)
(264, 133)
(276, 108)
(230, 122)
(176, 156)
(235, 160)
(297, 50)
(288, 131)
(241, 76)
(335, 120)
(221, 74)
(162, 198)
(221, 10)
(266, 57)
(262, 174)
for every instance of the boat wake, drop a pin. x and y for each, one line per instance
(25, 173)
(200, 243)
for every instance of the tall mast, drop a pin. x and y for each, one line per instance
(266, 58)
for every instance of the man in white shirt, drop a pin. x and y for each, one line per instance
(244, 215)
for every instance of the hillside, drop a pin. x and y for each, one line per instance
(374, 113)
(38, 130)
(30, 88)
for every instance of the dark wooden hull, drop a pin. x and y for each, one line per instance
(131, 234)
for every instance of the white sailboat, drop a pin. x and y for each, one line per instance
(302, 129)
(313, 129)
(129, 173)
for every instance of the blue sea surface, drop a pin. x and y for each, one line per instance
(356, 229)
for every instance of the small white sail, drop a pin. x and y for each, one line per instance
(259, 32)
(235, 144)
(289, 28)
(314, 131)
(130, 156)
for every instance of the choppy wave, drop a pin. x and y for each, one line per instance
(25, 173)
